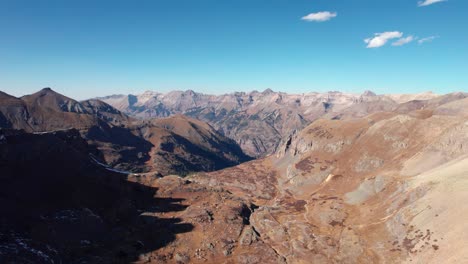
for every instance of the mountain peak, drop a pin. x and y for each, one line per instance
(190, 92)
(49, 98)
(268, 91)
(47, 91)
(369, 93)
(43, 92)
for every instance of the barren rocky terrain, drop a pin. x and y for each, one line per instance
(367, 190)
(371, 184)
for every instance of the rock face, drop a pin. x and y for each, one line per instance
(258, 121)
(176, 145)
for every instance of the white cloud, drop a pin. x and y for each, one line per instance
(320, 16)
(403, 41)
(428, 39)
(380, 39)
(429, 2)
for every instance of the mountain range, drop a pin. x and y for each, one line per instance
(258, 121)
(158, 146)
(163, 178)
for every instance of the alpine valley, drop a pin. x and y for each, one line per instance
(259, 177)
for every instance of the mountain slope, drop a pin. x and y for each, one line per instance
(13, 112)
(60, 206)
(45, 110)
(105, 112)
(191, 145)
(49, 99)
(367, 190)
(175, 145)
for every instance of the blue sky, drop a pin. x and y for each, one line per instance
(92, 48)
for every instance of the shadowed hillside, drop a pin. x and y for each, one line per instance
(58, 206)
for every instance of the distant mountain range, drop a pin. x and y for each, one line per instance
(258, 121)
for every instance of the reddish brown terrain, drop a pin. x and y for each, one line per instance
(379, 189)
(386, 187)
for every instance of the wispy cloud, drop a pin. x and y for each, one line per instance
(320, 16)
(428, 39)
(429, 2)
(380, 39)
(403, 41)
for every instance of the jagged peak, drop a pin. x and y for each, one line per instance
(369, 93)
(149, 92)
(268, 91)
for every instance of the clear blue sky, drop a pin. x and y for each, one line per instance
(91, 48)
